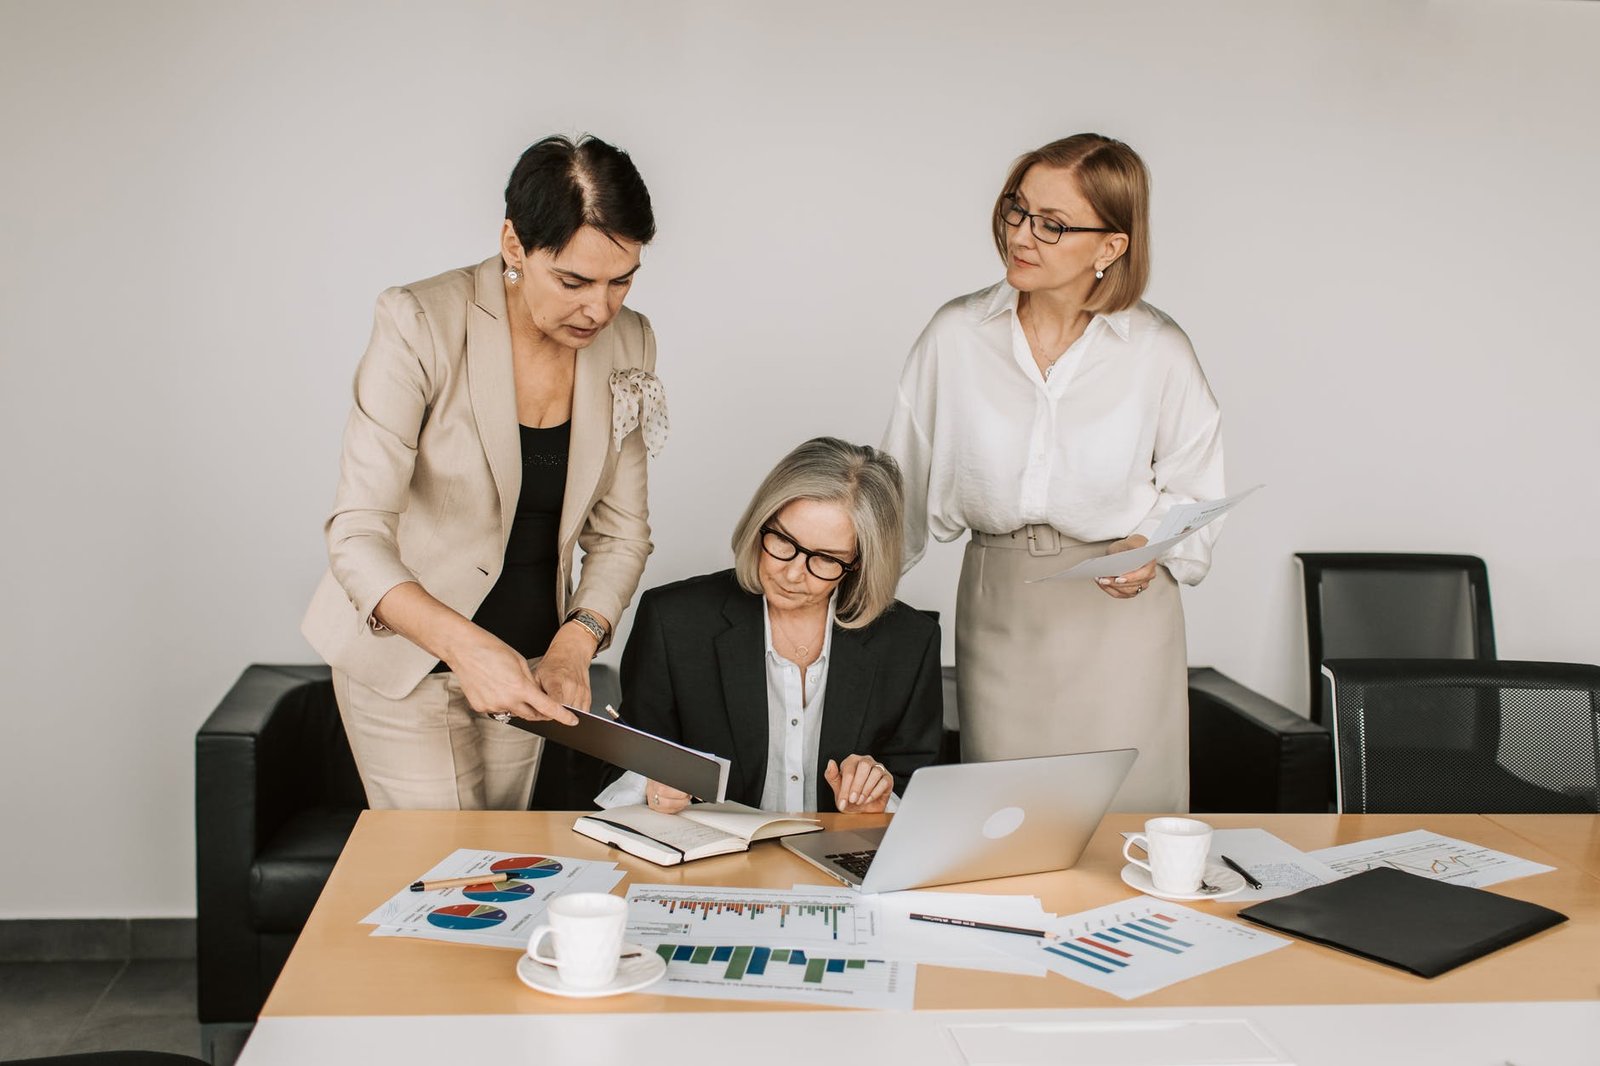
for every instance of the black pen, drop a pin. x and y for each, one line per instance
(967, 923)
(1249, 879)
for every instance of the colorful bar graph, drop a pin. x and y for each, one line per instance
(740, 961)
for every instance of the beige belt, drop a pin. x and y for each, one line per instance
(1036, 539)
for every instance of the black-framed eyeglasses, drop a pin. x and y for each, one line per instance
(1044, 227)
(782, 547)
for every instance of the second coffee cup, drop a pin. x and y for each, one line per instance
(1177, 849)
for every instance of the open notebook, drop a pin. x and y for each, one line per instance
(697, 832)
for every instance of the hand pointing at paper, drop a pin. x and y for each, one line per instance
(1127, 586)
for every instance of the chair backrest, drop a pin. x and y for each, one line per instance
(1534, 732)
(1373, 605)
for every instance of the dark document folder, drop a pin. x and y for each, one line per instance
(695, 772)
(1405, 920)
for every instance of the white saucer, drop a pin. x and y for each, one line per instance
(1229, 882)
(632, 975)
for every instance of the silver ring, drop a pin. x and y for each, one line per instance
(503, 717)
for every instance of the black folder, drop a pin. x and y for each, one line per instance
(1405, 920)
(698, 773)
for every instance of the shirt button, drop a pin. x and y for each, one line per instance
(794, 777)
(794, 721)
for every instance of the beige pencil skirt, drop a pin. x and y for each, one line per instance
(1059, 666)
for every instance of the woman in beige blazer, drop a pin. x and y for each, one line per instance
(502, 417)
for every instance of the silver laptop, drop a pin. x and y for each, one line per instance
(974, 821)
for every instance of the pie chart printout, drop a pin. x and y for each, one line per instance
(527, 867)
(466, 916)
(503, 892)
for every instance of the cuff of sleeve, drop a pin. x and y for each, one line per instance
(366, 604)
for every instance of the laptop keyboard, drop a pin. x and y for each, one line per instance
(854, 861)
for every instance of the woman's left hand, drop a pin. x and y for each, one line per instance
(861, 786)
(563, 673)
(1127, 586)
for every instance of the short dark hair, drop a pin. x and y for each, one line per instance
(560, 186)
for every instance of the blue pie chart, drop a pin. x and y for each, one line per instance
(466, 916)
(505, 892)
(527, 867)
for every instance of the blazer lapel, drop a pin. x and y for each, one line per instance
(851, 666)
(493, 388)
(591, 430)
(741, 660)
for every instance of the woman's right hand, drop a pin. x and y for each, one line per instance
(496, 680)
(664, 799)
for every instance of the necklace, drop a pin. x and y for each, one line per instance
(801, 652)
(1033, 339)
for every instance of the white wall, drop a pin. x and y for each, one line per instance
(1376, 220)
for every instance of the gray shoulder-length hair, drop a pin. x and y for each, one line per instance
(867, 482)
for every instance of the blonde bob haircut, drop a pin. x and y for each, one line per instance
(867, 483)
(1114, 180)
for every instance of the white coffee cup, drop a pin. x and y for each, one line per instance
(588, 928)
(1177, 848)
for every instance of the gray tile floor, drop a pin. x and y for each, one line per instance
(51, 1008)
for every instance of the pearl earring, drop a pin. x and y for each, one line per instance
(513, 275)
(1099, 274)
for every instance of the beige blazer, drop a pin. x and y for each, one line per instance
(432, 467)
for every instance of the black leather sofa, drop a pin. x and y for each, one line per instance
(276, 796)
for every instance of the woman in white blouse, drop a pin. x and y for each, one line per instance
(1058, 417)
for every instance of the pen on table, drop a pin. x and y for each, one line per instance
(459, 882)
(969, 924)
(1249, 878)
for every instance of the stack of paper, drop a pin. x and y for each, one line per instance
(503, 914)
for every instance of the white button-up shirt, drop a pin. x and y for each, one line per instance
(1124, 427)
(794, 722)
(794, 731)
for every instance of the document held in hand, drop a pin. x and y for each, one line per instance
(1404, 920)
(698, 832)
(695, 772)
(1183, 520)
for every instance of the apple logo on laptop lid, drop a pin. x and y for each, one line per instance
(1003, 823)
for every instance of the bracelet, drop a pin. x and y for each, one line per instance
(589, 621)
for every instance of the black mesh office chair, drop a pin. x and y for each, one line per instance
(1448, 735)
(1368, 605)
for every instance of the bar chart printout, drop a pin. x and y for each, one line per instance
(1140, 945)
(839, 924)
(758, 972)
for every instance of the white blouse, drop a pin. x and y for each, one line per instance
(1124, 427)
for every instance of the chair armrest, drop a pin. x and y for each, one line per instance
(1250, 754)
(239, 802)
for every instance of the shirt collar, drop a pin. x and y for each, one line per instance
(827, 634)
(1004, 298)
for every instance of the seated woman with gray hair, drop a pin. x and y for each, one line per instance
(798, 665)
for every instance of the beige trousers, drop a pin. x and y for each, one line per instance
(1059, 666)
(432, 751)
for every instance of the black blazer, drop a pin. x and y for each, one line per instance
(694, 672)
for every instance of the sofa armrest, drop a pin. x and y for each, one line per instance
(233, 819)
(1250, 754)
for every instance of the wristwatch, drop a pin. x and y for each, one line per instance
(590, 621)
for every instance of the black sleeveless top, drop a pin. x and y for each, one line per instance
(521, 608)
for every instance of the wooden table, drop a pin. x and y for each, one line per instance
(338, 971)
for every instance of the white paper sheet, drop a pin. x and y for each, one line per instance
(1139, 945)
(1281, 868)
(829, 922)
(500, 915)
(1430, 855)
(761, 972)
(1183, 520)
